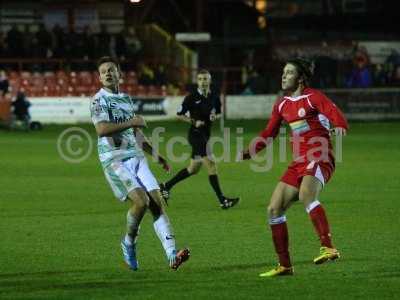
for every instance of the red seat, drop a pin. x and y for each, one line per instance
(37, 80)
(70, 91)
(62, 81)
(141, 90)
(50, 80)
(32, 91)
(153, 90)
(95, 77)
(13, 75)
(25, 82)
(25, 75)
(131, 80)
(73, 81)
(130, 89)
(61, 74)
(164, 91)
(131, 74)
(93, 89)
(85, 77)
(82, 90)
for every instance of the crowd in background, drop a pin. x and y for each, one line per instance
(336, 66)
(57, 43)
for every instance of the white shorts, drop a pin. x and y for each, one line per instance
(125, 176)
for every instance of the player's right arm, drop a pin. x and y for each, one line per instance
(104, 126)
(266, 136)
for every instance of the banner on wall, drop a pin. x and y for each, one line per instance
(71, 110)
(367, 104)
(357, 104)
(249, 107)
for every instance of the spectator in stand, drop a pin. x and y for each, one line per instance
(3, 46)
(396, 77)
(247, 69)
(325, 68)
(103, 42)
(256, 83)
(85, 48)
(28, 37)
(145, 74)
(15, 42)
(70, 44)
(393, 64)
(133, 44)
(120, 45)
(80, 50)
(4, 84)
(360, 76)
(45, 42)
(89, 43)
(59, 41)
(380, 75)
(21, 109)
(160, 76)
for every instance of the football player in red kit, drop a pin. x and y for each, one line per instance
(309, 114)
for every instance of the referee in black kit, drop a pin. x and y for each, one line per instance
(203, 108)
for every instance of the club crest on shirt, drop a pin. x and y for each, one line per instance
(301, 113)
(96, 107)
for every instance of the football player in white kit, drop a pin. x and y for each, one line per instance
(121, 143)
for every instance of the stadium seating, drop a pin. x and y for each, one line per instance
(80, 84)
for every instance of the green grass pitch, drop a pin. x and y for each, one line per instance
(60, 226)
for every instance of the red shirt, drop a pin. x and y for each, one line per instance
(308, 115)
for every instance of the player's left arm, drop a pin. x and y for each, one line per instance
(216, 110)
(145, 144)
(326, 107)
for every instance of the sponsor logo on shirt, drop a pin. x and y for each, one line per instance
(299, 126)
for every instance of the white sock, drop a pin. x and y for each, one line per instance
(277, 220)
(163, 229)
(132, 229)
(312, 205)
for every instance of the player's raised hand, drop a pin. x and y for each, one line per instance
(339, 131)
(138, 121)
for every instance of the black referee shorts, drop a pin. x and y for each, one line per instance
(198, 141)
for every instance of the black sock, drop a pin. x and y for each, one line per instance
(215, 185)
(181, 175)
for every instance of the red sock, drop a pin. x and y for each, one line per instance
(318, 217)
(280, 237)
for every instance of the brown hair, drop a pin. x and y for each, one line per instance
(304, 67)
(106, 59)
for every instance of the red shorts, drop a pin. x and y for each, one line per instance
(322, 170)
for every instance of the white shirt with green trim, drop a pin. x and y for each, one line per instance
(116, 108)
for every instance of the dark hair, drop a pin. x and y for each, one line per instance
(304, 67)
(106, 59)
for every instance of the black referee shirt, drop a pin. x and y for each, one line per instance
(200, 107)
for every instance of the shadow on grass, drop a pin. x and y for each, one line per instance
(236, 267)
(42, 273)
(55, 281)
